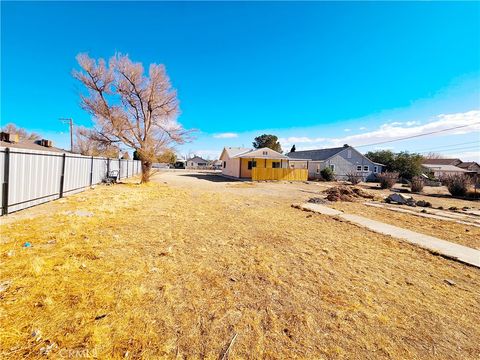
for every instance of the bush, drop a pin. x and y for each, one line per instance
(387, 179)
(417, 184)
(327, 174)
(354, 177)
(457, 185)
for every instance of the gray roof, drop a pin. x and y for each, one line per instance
(319, 154)
(441, 167)
(467, 164)
(197, 159)
(232, 151)
(31, 145)
(259, 154)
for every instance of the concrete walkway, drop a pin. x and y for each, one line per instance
(451, 250)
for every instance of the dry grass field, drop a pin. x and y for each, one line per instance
(165, 271)
(447, 230)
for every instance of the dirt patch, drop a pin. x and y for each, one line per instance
(346, 193)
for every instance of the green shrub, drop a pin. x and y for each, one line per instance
(328, 174)
(387, 179)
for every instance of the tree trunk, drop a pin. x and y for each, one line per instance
(146, 170)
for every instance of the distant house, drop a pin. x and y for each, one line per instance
(342, 160)
(440, 170)
(470, 166)
(217, 164)
(196, 162)
(238, 162)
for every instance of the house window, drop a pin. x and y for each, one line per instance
(375, 169)
(332, 166)
(366, 168)
(265, 153)
(349, 154)
(224, 164)
(252, 164)
(276, 164)
(359, 167)
(318, 169)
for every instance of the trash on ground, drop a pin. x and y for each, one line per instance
(401, 199)
(317, 200)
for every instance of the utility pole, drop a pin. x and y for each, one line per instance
(70, 122)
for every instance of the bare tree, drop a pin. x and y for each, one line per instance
(22, 133)
(131, 108)
(86, 144)
(432, 155)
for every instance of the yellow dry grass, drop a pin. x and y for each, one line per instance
(178, 273)
(446, 230)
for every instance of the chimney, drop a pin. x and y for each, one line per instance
(345, 145)
(7, 137)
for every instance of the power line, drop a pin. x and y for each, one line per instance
(416, 136)
(448, 146)
(453, 150)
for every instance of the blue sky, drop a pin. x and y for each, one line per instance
(315, 74)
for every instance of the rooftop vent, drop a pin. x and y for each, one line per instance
(45, 142)
(346, 145)
(12, 138)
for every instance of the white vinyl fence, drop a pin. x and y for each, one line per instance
(30, 177)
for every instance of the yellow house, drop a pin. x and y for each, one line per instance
(261, 164)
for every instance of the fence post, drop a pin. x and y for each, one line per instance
(6, 170)
(91, 173)
(62, 175)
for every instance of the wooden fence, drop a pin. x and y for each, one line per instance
(279, 174)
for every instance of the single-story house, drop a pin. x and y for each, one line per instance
(342, 160)
(470, 166)
(196, 162)
(439, 170)
(238, 162)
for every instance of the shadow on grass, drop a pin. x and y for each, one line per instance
(210, 177)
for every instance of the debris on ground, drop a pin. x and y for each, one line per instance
(27, 244)
(401, 199)
(317, 200)
(344, 193)
(45, 350)
(423, 203)
(4, 286)
(450, 282)
(83, 213)
(453, 208)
